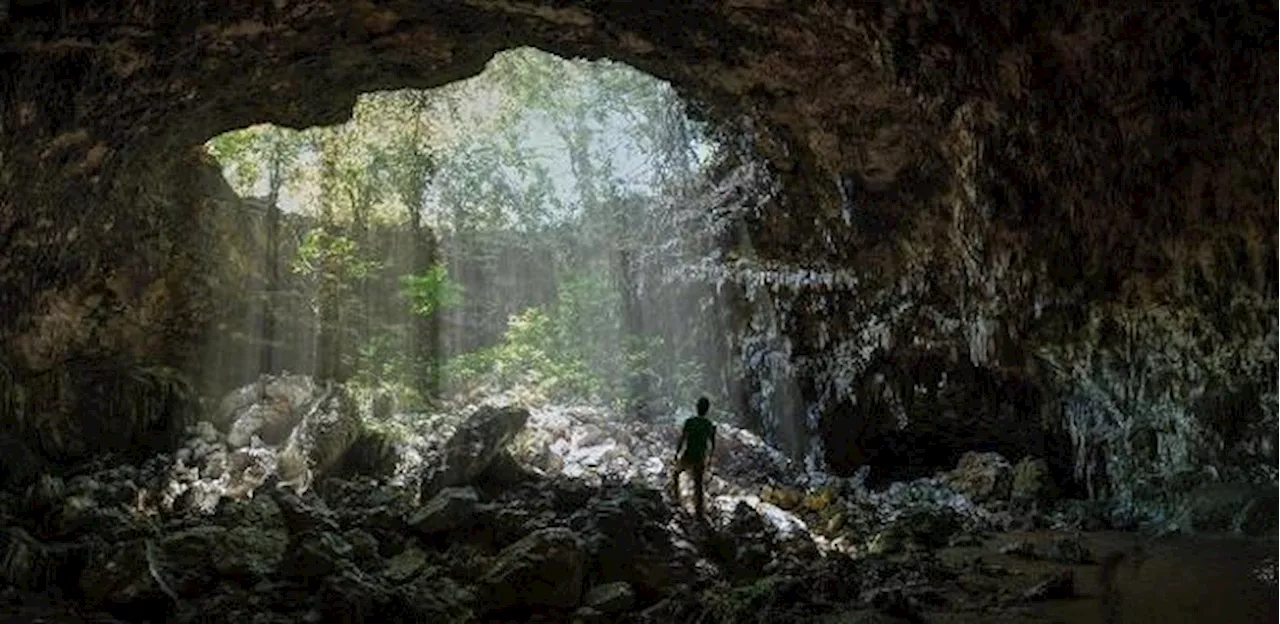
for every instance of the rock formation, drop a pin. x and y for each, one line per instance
(1061, 213)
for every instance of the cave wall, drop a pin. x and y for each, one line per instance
(1076, 197)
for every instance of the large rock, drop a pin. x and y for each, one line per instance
(235, 402)
(983, 477)
(450, 509)
(546, 568)
(611, 598)
(316, 554)
(626, 532)
(292, 389)
(266, 420)
(320, 440)
(923, 528)
(475, 445)
(197, 557)
(269, 408)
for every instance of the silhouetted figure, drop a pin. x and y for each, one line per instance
(697, 442)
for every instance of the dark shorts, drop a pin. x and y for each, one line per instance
(695, 464)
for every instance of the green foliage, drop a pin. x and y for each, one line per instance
(332, 259)
(577, 349)
(431, 291)
(382, 363)
(259, 153)
(567, 162)
(531, 354)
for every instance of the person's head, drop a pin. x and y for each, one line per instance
(703, 405)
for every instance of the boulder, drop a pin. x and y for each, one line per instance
(430, 597)
(195, 558)
(476, 443)
(506, 471)
(405, 565)
(450, 509)
(316, 445)
(315, 555)
(256, 420)
(982, 477)
(611, 598)
(350, 598)
(233, 403)
(269, 409)
(75, 514)
(32, 564)
(546, 568)
(923, 528)
(1032, 482)
(588, 615)
(294, 390)
(625, 528)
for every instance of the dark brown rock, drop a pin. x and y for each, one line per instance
(546, 568)
(480, 440)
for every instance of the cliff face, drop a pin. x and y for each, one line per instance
(1056, 218)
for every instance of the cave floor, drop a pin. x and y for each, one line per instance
(1183, 579)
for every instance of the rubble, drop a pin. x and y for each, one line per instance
(526, 521)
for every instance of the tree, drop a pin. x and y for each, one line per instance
(269, 155)
(527, 184)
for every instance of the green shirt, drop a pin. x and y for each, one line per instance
(698, 433)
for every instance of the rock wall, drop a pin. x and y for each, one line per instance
(1075, 198)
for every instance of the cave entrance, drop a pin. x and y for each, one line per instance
(543, 228)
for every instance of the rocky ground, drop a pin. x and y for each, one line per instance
(298, 503)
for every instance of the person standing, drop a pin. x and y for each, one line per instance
(693, 453)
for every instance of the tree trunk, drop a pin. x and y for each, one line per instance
(425, 339)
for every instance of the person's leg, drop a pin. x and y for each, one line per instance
(675, 481)
(699, 470)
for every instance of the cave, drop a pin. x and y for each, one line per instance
(1012, 272)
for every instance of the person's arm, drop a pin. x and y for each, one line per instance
(684, 433)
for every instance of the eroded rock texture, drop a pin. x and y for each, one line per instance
(1073, 202)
